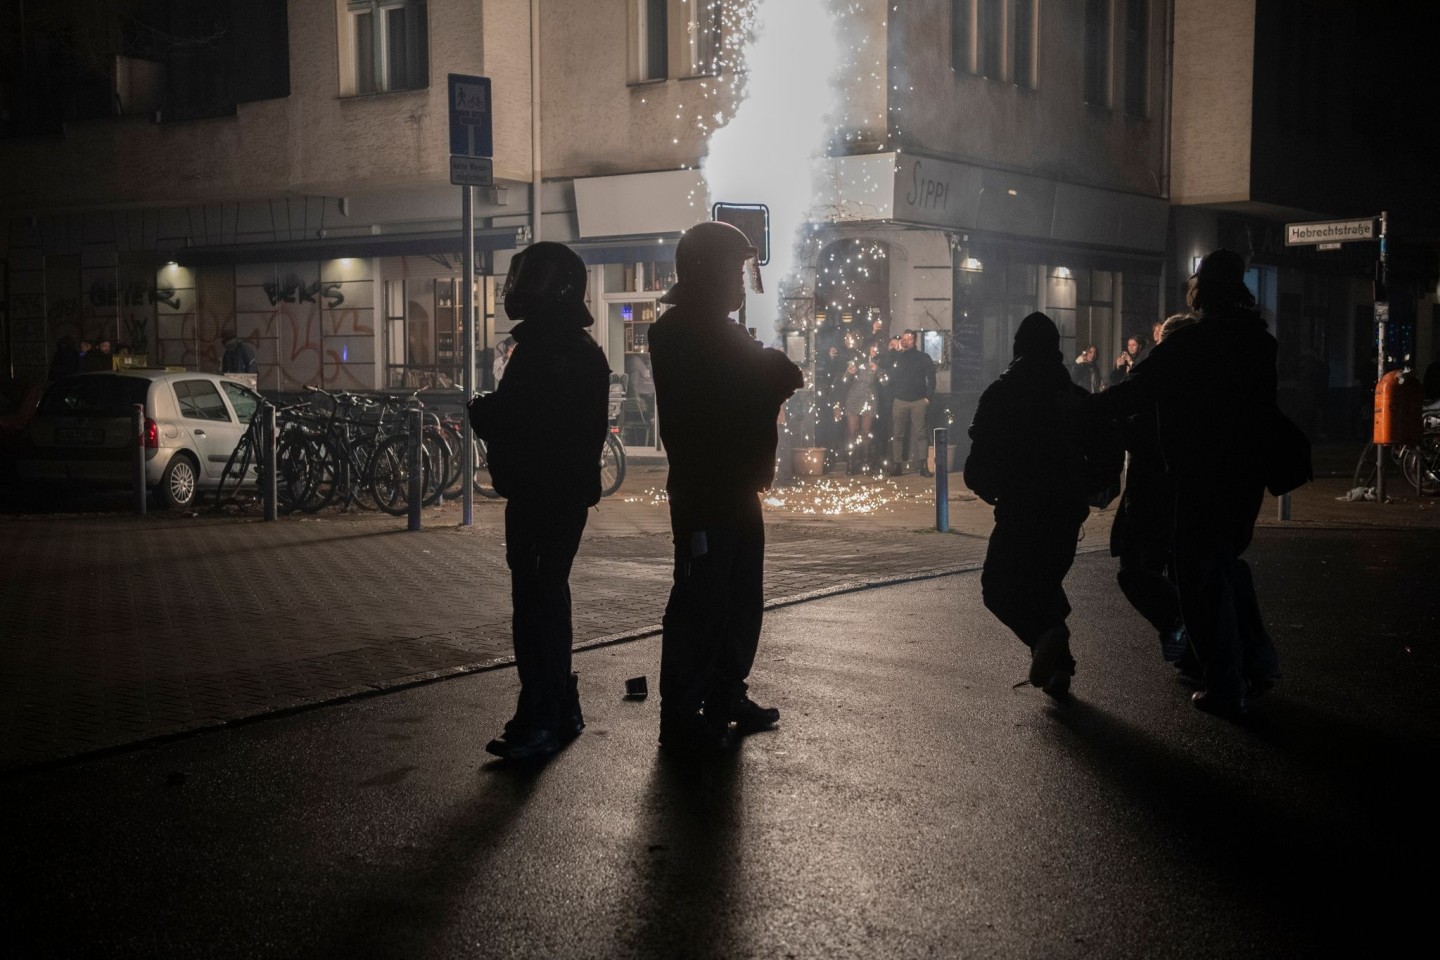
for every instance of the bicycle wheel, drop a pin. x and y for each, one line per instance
(1364, 475)
(456, 474)
(483, 484)
(237, 469)
(306, 472)
(1422, 462)
(438, 457)
(612, 465)
(390, 474)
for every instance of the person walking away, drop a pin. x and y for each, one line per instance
(1209, 384)
(718, 393)
(543, 427)
(1038, 457)
(912, 383)
(1141, 536)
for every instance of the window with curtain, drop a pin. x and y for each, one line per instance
(1137, 58)
(385, 46)
(1097, 53)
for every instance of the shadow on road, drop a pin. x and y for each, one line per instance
(1293, 825)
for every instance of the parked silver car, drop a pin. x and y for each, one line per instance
(193, 421)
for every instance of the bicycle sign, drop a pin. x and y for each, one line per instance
(470, 114)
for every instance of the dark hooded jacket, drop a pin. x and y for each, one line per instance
(1035, 451)
(545, 424)
(718, 393)
(1210, 385)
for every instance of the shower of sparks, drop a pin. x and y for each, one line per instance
(789, 102)
(825, 496)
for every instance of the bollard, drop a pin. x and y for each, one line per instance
(138, 477)
(1379, 473)
(1283, 506)
(942, 481)
(417, 491)
(270, 483)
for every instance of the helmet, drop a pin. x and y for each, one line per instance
(547, 280)
(707, 256)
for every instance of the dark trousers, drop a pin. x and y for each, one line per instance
(540, 544)
(1025, 566)
(1144, 580)
(1213, 527)
(711, 627)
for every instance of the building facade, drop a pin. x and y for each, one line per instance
(279, 171)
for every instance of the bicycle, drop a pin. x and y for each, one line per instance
(1406, 460)
(612, 462)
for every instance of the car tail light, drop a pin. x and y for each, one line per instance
(152, 435)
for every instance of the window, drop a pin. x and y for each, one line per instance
(1137, 57)
(1022, 43)
(994, 39)
(990, 23)
(244, 402)
(961, 34)
(199, 400)
(650, 42)
(384, 45)
(1097, 53)
(704, 31)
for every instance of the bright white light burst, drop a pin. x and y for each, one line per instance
(768, 151)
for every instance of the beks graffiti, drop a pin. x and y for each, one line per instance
(293, 290)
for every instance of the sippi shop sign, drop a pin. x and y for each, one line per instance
(929, 188)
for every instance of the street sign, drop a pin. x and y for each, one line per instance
(1329, 232)
(472, 171)
(470, 133)
(751, 219)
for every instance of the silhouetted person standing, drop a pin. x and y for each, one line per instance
(719, 394)
(1209, 385)
(912, 383)
(543, 429)
(1037, 456)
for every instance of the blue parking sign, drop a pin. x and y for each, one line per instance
(470, 134)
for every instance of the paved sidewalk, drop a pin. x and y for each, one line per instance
(121, 629)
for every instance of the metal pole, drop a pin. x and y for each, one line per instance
(417, 489)
(138, 426)
(467, 377)
(942, 481)
(1283, 506)
(1382, 317)
(270, 490)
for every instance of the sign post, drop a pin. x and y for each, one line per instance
(1329, 235)
(471, 165)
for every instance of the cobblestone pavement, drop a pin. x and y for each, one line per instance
(120, 629)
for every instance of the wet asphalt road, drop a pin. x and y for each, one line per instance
(912, 804)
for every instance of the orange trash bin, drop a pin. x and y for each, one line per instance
(1399, 397)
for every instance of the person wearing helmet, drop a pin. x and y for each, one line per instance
(543, 428)
(718, 394)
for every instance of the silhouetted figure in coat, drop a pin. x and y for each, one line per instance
(719, 394)
(1038, 457)
(543, 429)
(1142, 534)
(66, 359)
(1209, 385)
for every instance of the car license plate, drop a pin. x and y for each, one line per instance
(79, 436)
